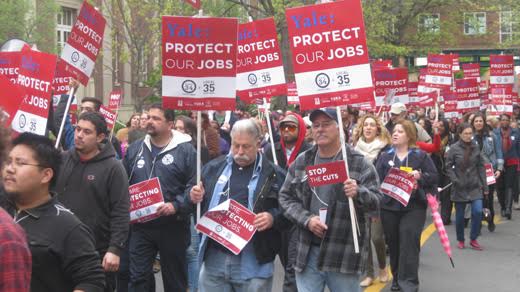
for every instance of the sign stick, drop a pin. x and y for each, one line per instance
(353, 217)
(199, 142)
(437, 105)
(112, 131)
(270, 131)
(67, 107)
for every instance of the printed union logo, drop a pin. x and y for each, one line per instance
(189, 86)
(252, 79)
(218, 228)
(322, 80)
(74, 57)
(22, 121)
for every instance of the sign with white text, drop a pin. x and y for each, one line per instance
(145, 198)
(399, 185)
(230, 224)
(326, 173)
(330, 54)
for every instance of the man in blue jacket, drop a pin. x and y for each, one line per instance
(247, 177)
(168, 155)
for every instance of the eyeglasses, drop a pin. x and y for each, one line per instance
(288, 128)
(20, 164)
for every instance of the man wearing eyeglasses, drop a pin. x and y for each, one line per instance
(325, 248)
(292, 143)
(63, 255)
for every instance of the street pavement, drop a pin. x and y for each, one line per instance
(496, 268)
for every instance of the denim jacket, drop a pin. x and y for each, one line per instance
(492, 150)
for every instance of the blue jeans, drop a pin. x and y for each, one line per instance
(193, 259)
(476, 218)
(221, 273)
(312, 280)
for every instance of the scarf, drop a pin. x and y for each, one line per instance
(467, 152)
(506, 140)
(370, 150)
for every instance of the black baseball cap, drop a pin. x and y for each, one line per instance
(329, 112)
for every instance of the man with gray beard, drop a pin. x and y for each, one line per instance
(249, 178)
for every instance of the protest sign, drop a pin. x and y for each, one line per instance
(84, 43)
(35, 78)
(502, 70)
(399, 185)
(439, 71)
(145, 197)
(471, 70)
(114, 102)
(329, 54)
(292, 93)
(326, 173)
(11, 97)
(259, 61)
(500, 100)
(230, 224)
(10, 65)
(490, 174)
(109, 115)
(395, 80)
(468, 97)
(199, 63)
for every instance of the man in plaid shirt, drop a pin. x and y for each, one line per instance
(325, 249)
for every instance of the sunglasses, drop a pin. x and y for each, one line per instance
(288, 128)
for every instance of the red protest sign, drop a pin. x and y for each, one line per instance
(450, 109)
(11, 97)
(490, 174)
(326, 173)
(145, 197)
(467, 95)
(62, 78)
(471, 70)
(199, 63)
(455, 62)
(9, 65)
(35, 78)
(292, 93)
(109, 116)
(501, 100)
(230, 224)
(330, 54)
(259, 61)
(439, 71)
(395, 80)
(428, 99)
(502, 71)
(115, 99)
(412, 93)
(84, 42)
(194, 3)
(399, 185)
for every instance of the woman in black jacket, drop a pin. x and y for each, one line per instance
(465, 167)
(403, 224)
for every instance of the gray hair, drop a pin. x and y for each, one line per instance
(247, 126)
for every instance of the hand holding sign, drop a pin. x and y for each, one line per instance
(351, 188)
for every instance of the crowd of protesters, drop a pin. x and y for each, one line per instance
(73, 204)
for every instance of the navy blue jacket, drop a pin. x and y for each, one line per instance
(175, 166)
(418, 160)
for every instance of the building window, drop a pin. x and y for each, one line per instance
(509, 26)
(430, 22)
(474, 23)
(65, 20)
(143, 66)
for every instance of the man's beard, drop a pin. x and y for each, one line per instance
(290, 140)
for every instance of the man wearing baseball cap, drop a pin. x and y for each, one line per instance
(325, 250)
(398, 111)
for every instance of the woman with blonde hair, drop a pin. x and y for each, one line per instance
(370, 139)
(403, 223)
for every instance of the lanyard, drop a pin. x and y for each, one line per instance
(395, 155)
(313, 189)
